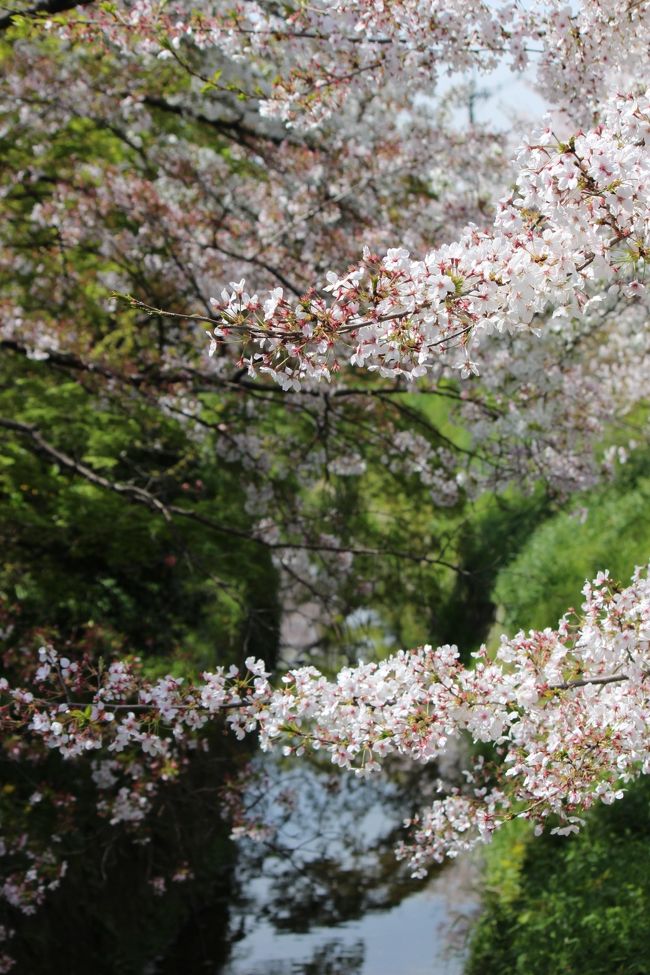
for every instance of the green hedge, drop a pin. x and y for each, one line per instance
(555, 906)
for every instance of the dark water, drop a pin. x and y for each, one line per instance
(323, 895)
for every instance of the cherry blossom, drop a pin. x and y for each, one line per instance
(564, 708)
(577, 223)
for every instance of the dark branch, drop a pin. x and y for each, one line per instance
(141, 496)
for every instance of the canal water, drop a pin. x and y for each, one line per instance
(424, 935)
(326, 896)
(322, 894)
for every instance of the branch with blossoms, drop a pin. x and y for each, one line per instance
(566, 711)
(578, 222)
(322, 53)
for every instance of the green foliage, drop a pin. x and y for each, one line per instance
(540, 584)
(578, 906)
(78, 553)
(488, 542)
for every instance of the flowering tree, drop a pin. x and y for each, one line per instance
(156, 154)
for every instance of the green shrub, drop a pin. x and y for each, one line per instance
(538, 586)
(578, 906)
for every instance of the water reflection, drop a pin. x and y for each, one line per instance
(330, 958)
(326, 896)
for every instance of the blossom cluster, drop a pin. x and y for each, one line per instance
(323, 53)
(566, 709)
(577, 222)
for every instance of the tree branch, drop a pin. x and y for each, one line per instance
(585, 681)
(141, 496)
